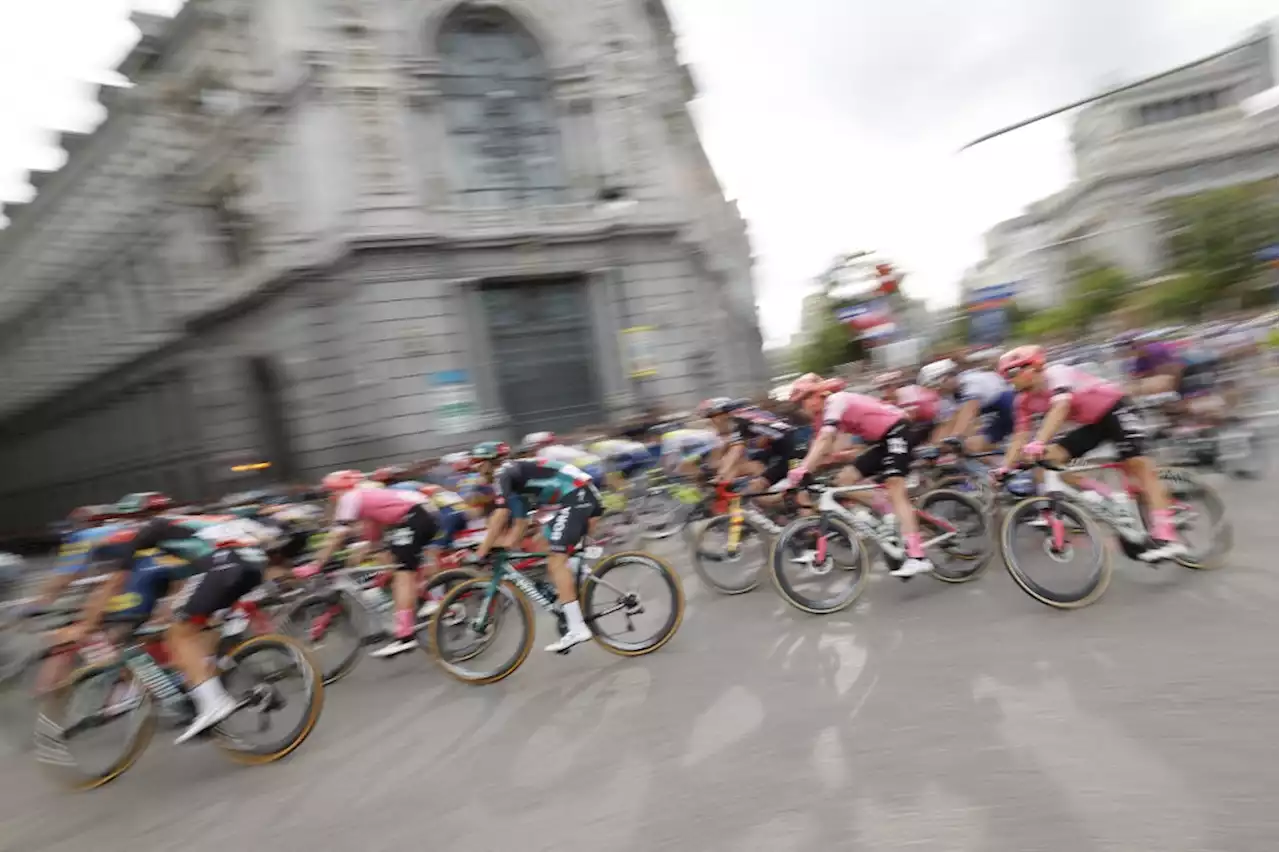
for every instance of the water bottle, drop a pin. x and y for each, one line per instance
(376, 599)
(864, 520)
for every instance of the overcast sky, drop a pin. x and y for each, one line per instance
(833, 122)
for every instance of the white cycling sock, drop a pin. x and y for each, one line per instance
(209, 694)
(573, 615)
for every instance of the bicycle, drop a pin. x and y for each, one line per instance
(23, 655)
(855, 526)
(136, 682)
(507, 593)
(746, 528)
(1062, 510)
(356, 603)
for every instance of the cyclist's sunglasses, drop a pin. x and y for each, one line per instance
(1014, 372)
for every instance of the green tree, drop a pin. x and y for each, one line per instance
(1097, 289)
(1213, 242)
(834, 344)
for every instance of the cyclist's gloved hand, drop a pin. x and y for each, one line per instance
(1000, 474)
(796, 475)
(1033, 451)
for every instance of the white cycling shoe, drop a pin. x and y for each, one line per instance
(568, 640)
(209, 717)
(912, 567)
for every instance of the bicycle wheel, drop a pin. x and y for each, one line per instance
(327, 625)
(1197, 506)
(603, 592)
(961, 558)
(734, 574)
(90, 698)
(845, 562)
(437, 589)
(258, 692)
(660, 514)
(1079, 529)
(464, 636)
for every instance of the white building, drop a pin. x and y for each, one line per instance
(1132, 152)
(328, 234)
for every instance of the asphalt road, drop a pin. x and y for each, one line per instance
(930, 717)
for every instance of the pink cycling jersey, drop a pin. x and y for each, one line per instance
(921, 404)
(378, 508)
(863, 416)
(1091, 397)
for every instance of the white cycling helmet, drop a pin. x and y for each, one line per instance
(932, 375)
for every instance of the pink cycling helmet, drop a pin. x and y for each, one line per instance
(342, 480)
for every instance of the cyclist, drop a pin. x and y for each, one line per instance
(405, 521)
(1101, 412)
(544, 446)
(985, 400)
(220, 557)
(524, 484)
(884, 428)
(757, 443)
(924, 410)
(623, 458)
(1155, 366)
(390, 475)
(685, 451)
(454, 516)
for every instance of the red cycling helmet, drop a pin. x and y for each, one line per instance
(342, 480)
(811, 383)
(389, 474)
(1018, 359)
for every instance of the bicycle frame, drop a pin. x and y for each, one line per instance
(1127, 525)
(514, 565)
(889, 544)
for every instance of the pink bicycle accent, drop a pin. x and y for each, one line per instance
(822, 549)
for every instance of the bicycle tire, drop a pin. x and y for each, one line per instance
(674, 620)
(783, 585)
(701, 559)
(1101, 574)
(134, 746)
(506, 589)
(343, 667)
(1224, 537)
(315, 702)
(447, 579)
(976, 565)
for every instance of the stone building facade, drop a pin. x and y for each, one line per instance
(1132, 152)
(328, 233)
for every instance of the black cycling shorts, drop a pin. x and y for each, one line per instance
(1197, 379)
(778, 457)
(889, 456)
(1121, 426)
(568, 526)
(232, 572)
(918, 432)
(406, 539)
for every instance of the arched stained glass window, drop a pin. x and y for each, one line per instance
(499, 109)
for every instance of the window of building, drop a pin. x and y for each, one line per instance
(499, 109)
(1185, 106)
(231, 229)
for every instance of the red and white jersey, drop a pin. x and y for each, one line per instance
(1090, 397)
(920, 403)
(377, 508)
(862, 416)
